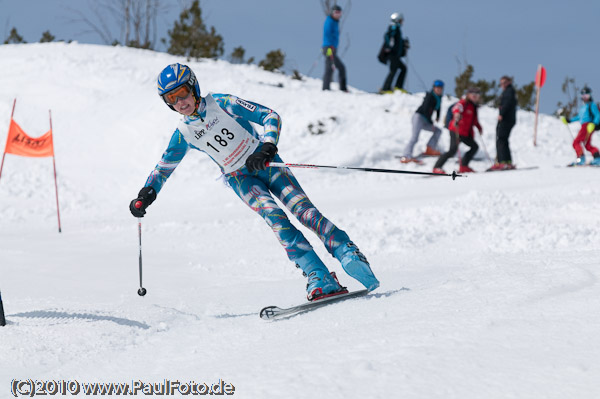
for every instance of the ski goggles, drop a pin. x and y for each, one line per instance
(180, 93)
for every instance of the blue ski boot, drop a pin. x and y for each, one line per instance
(595, 161)
(356, 265)
(579, 161)
(321, 283)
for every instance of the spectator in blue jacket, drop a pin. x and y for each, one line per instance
(331, 40)
(395, 47)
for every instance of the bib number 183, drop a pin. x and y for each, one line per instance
(222, 140)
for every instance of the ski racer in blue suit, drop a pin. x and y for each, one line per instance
(219, 125)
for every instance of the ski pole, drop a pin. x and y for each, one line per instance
(314, 63)
(570, 132)
(2, 318)
(485, 148)
(142, 290)
(454, 175)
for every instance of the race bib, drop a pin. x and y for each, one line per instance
(228, 143)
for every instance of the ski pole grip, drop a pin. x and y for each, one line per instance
(138, 204)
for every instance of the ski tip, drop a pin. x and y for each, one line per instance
(269, 312)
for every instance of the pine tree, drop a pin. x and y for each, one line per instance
(190, 37)
(14, 37)
(489, 89)
(47, 37)
(569, 109)
(525, 97)
(237, 55)
(273, 60)
(463, 81)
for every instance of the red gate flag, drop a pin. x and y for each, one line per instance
(540, 79)
(19, 143)
(540, 76)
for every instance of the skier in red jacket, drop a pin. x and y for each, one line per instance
(461, 131)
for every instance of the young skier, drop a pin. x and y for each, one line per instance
(461, 131)
(589, 117)
(219, 125)
(422, 120)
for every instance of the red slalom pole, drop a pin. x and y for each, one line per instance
(454, 175)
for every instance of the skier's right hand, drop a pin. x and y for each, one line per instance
(564, 120)
(145, 197)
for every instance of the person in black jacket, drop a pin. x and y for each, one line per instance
(422, 120)
(506, 121)
(395, 48)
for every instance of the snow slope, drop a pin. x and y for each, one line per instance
(489, 284)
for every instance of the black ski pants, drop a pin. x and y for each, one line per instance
(455, 139)
(503, 129)
(395, 64)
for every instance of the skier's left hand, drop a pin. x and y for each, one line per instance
(258, 160)
(590, 127)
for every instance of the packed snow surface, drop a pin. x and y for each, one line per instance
(489, 283)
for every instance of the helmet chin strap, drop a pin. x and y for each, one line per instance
(198, 102)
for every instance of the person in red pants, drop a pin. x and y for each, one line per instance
(589, 117)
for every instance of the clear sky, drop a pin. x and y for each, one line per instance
(509, 37)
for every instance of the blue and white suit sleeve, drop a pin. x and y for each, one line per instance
(174, 153)
(247, 111)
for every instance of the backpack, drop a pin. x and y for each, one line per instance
(449, 116)
(383, 55)
(405, 47)
(592, 114)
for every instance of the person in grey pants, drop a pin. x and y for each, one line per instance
(422, 120)
(331, 40)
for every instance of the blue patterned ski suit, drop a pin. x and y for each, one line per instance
(258, 188)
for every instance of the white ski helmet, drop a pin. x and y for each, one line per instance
(397, 17)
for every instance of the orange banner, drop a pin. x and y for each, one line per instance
(19, 143)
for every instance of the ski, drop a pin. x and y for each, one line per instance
(275, 312)
(424, 155)
(409, 160)
(507, 170)
(573, 165)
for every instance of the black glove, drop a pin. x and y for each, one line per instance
(138, 206)
(258, 160)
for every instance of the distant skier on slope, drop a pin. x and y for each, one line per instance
(331, 41)
(507, 118)
(219, 125)
(461, 131)
(589, 117)
(395, 47)
(422, 120)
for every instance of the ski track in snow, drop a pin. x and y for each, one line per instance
(489, 284)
